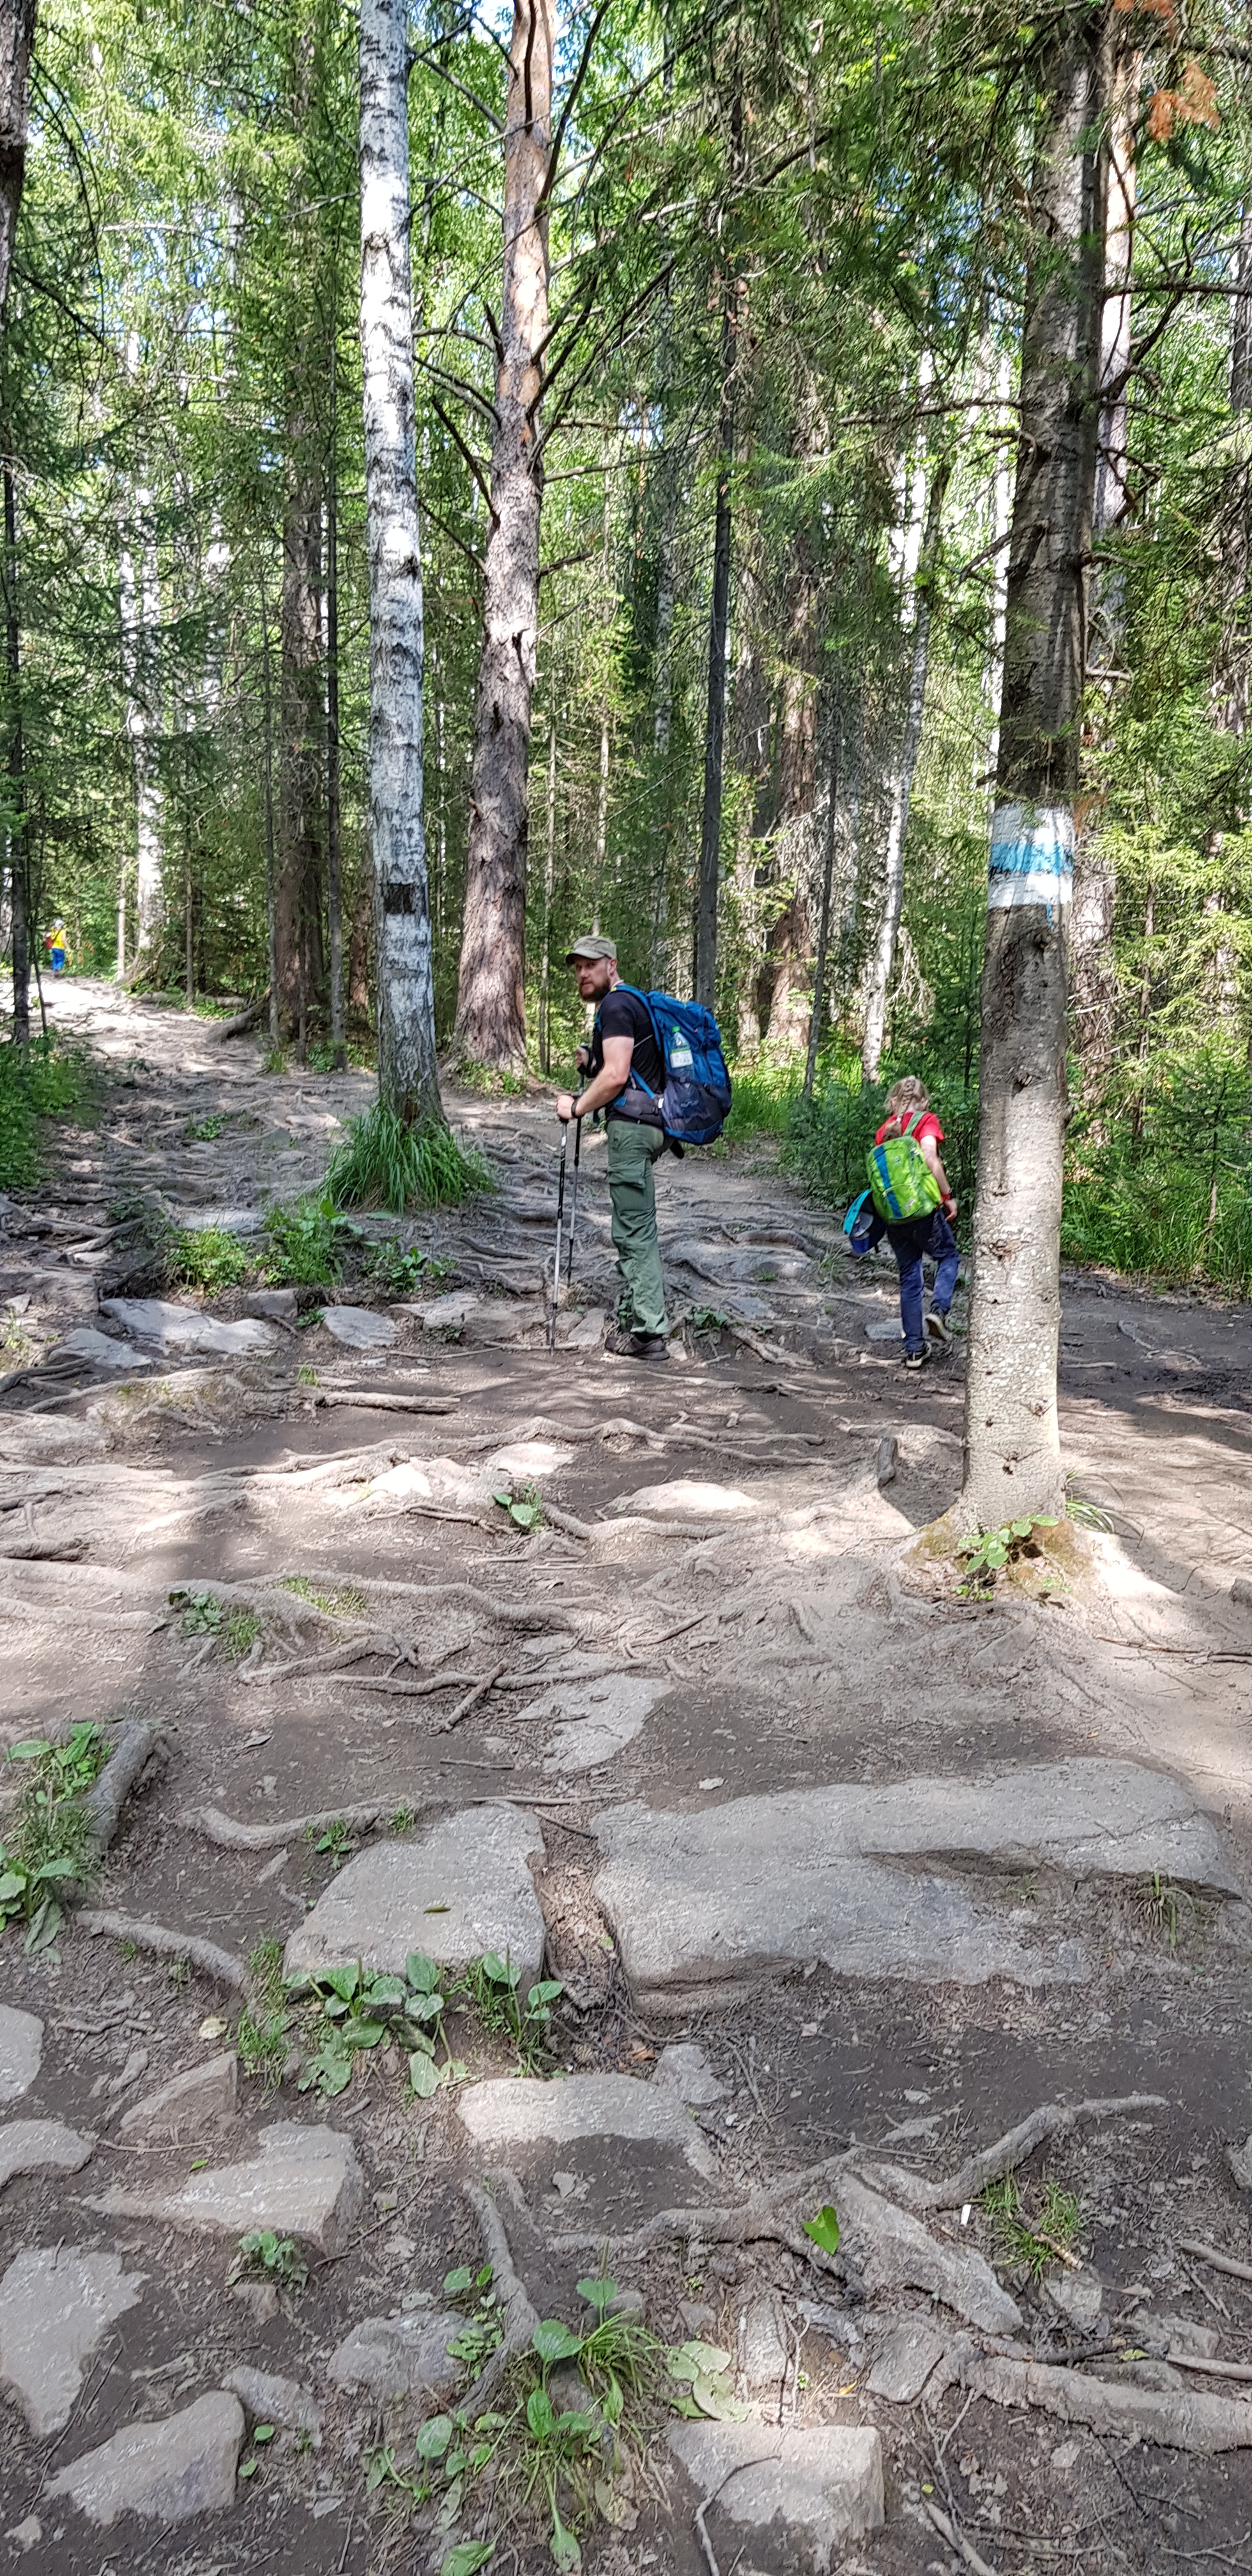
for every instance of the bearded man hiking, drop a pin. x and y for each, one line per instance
(627, 1077)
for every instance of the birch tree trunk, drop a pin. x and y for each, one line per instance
(491, 996)
(17, 36)
(300, 718)
(879, 980)
(408, 1080)
(140, 604)
(1012, 1447)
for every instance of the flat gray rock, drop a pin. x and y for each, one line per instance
(444, 1314)
(530, 2110)
(463, 1888)
(689, 1497)
(55, 2304)
(893, 2251)
(1079, 2296)
(699, 1898)
(273, 1305)
(163, 2471)
(21, 2047)
(305, 2182)
(271, 2399)
(224, 1220)
(823, 2488)
(904, 2362)
(588, 1333)
(684, 2067)
(359, 1328)
(405, 2356)
(203, 2098)
(38, 2146)
(595, 1719)
(185, 1328)
(96, 1350)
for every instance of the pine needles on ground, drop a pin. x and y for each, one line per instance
(383, 1163)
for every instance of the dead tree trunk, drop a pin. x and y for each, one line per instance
(1012, 1449)
(491, 995)
(902, 788)
(19, 832)
(408, 1081)
(17, 36)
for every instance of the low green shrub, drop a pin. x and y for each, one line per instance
(382, 1163)
(210, 1260)
(36, 1081)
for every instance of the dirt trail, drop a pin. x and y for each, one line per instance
(751, 1782)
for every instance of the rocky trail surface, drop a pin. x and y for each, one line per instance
(841, 1892)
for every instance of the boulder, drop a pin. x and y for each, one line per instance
(305, 2182)
(55, 2305)
(531, 2111)
(185, 1328)
(35, 2146)
(359, 1328)
(202, 2098)
(822, 2488)
(162, 2471)
(463, 1888)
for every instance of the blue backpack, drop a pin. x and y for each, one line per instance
(695, 1102)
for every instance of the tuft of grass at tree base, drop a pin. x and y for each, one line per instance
(382, 1163)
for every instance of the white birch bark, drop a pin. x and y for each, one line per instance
(407, 1076)
(140, 603)
(879, 979)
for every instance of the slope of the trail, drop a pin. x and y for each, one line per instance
(748, 1775)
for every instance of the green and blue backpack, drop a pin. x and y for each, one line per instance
(902, 1184)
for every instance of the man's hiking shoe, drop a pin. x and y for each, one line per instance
(636, 1346)
(916, 1359)
(939, 1330)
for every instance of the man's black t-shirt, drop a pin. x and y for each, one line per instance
(623, 1015)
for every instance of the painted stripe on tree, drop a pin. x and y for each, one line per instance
(1032, 856)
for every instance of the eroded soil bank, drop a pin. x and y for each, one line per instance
(843, 1876)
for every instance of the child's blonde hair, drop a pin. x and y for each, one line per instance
(906, 1096)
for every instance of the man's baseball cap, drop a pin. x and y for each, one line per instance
(590, 949)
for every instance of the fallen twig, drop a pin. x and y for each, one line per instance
(164, 1944)
(955, 2538)
(1220, 2262)
(444, 1725)
(363, 1402)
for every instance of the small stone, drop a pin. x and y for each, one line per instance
(905, 2360)
(404, 2356)
(764, 2345)
(526, 2110)
(359, 1328)
(260, 2298)
(1239, 2159)
(1182, 2334)
(884, 1333)
(444, 1314)
(588, 1333)
(185, 1328)
(1241, 1591)
(164, 2471)
(202, 2098)
(273, 1305)
(688, 1497)
(1064, 2456)
(596, 1718)
(96, 1350)
(697, 2315)
(628, 2303)
(271, 2399)
(1079, 2296)
(33, 2146)
(21, 2047)
(529, 1458)
(55, 2305)
(305, 2182)
(823, 2487)
(27, 2533)
(462, 1888)
(684, 2067)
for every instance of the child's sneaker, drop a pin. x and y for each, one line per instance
(939, 1329)
(916, 1359)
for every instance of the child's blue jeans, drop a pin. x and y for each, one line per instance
(910, 1244)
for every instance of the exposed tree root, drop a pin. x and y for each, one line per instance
(412, 1689)
(444, 1725)
(520, 2314)
(229, 1835)
(1176, 2418)
(370, 1402)
(123, 1771)
(1051, 2120)
(164, 1944)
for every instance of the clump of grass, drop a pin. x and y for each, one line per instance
(345, 1601)
(51, 1839)
(1033, 2243)
(306, 1243)
(36, 1081)
(383, 1163)
(262, 2035)
(210, 1260)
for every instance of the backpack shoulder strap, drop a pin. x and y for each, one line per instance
(633, 1076)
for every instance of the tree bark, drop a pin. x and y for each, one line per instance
(300, 718)
(19, 829)
(902, 787)
(408, 1080)
(715, 719)
(17, 36)
(491, 997)
(828, 878)
(334, 839)
(1012, 1447)
(140, 606)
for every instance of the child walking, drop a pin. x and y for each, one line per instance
(909, 1113)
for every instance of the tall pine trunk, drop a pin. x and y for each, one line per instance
(408, 1081)
(491, 996)
(17, 36)
(297, 906)
(879, 982)
(19, 830)
(1012, 1447)
(715, 719)
(334, 834)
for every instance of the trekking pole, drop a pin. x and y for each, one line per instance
(556, 1258)
(573, 1203)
